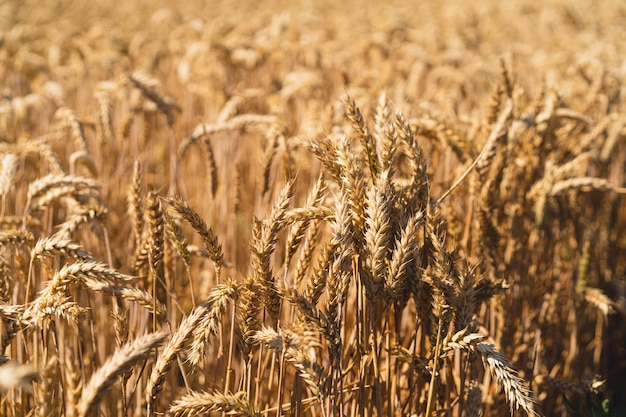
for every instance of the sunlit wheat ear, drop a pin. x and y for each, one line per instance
(208, 325)
(81, 215)
(172, 349)
(51, 187)
(191, 217)
(237, 123)
(378, 234)
(263, 245)
(15, 236)
(211, 166)
(120, 362)
(43, 149)
(136, 202)
(396, 279)
(70, 121)
(367, 141)
(518, 395)
(200, 323)
(105, 113)
(267, 161)
(166, 105)
(230, 109)
(199, 403)
(297, 232)
(352, 183)
(285, 342)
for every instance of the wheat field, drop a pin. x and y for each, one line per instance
(312, 208)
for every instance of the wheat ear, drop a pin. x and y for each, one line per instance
(119, 363)
(198, 403)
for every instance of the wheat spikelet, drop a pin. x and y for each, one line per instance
(141, 257)
(561, 385)
(306, 214)
(172, 349)
(285, 341)
(267, 159)
(378, 234)
(209, 239)
(597, 298)
(200, 323)
(78, 271)
(124, 358)
(417, 192)
(230, 109)
(217, 302)
(165, 104)
(71, 122)
(382, 116)
(296, 233)
(396, 278)
(11, 312)
(241, 122)
(325, 149)
(81, 215)
(248, 311)
(389, 149)
(157, 231)
(136, 202)
(198, 403)
(176, 235)
(585, 184)
(517, 393)
(211, 165)
(457, 141)
(466, 302)
(142, 297)
(354, 115)
(53, 186)
(263, 245)
(15, 236)
(505, 79)
(306, 254)
(495, 104)
(317, 283)
(309, 311)
(52, 302)
(54, 245)
(105, 117)
(84, 158)
(92, 275)
(353, 184)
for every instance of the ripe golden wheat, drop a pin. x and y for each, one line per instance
(349, 211)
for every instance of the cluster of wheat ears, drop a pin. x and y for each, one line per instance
(252, 215)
